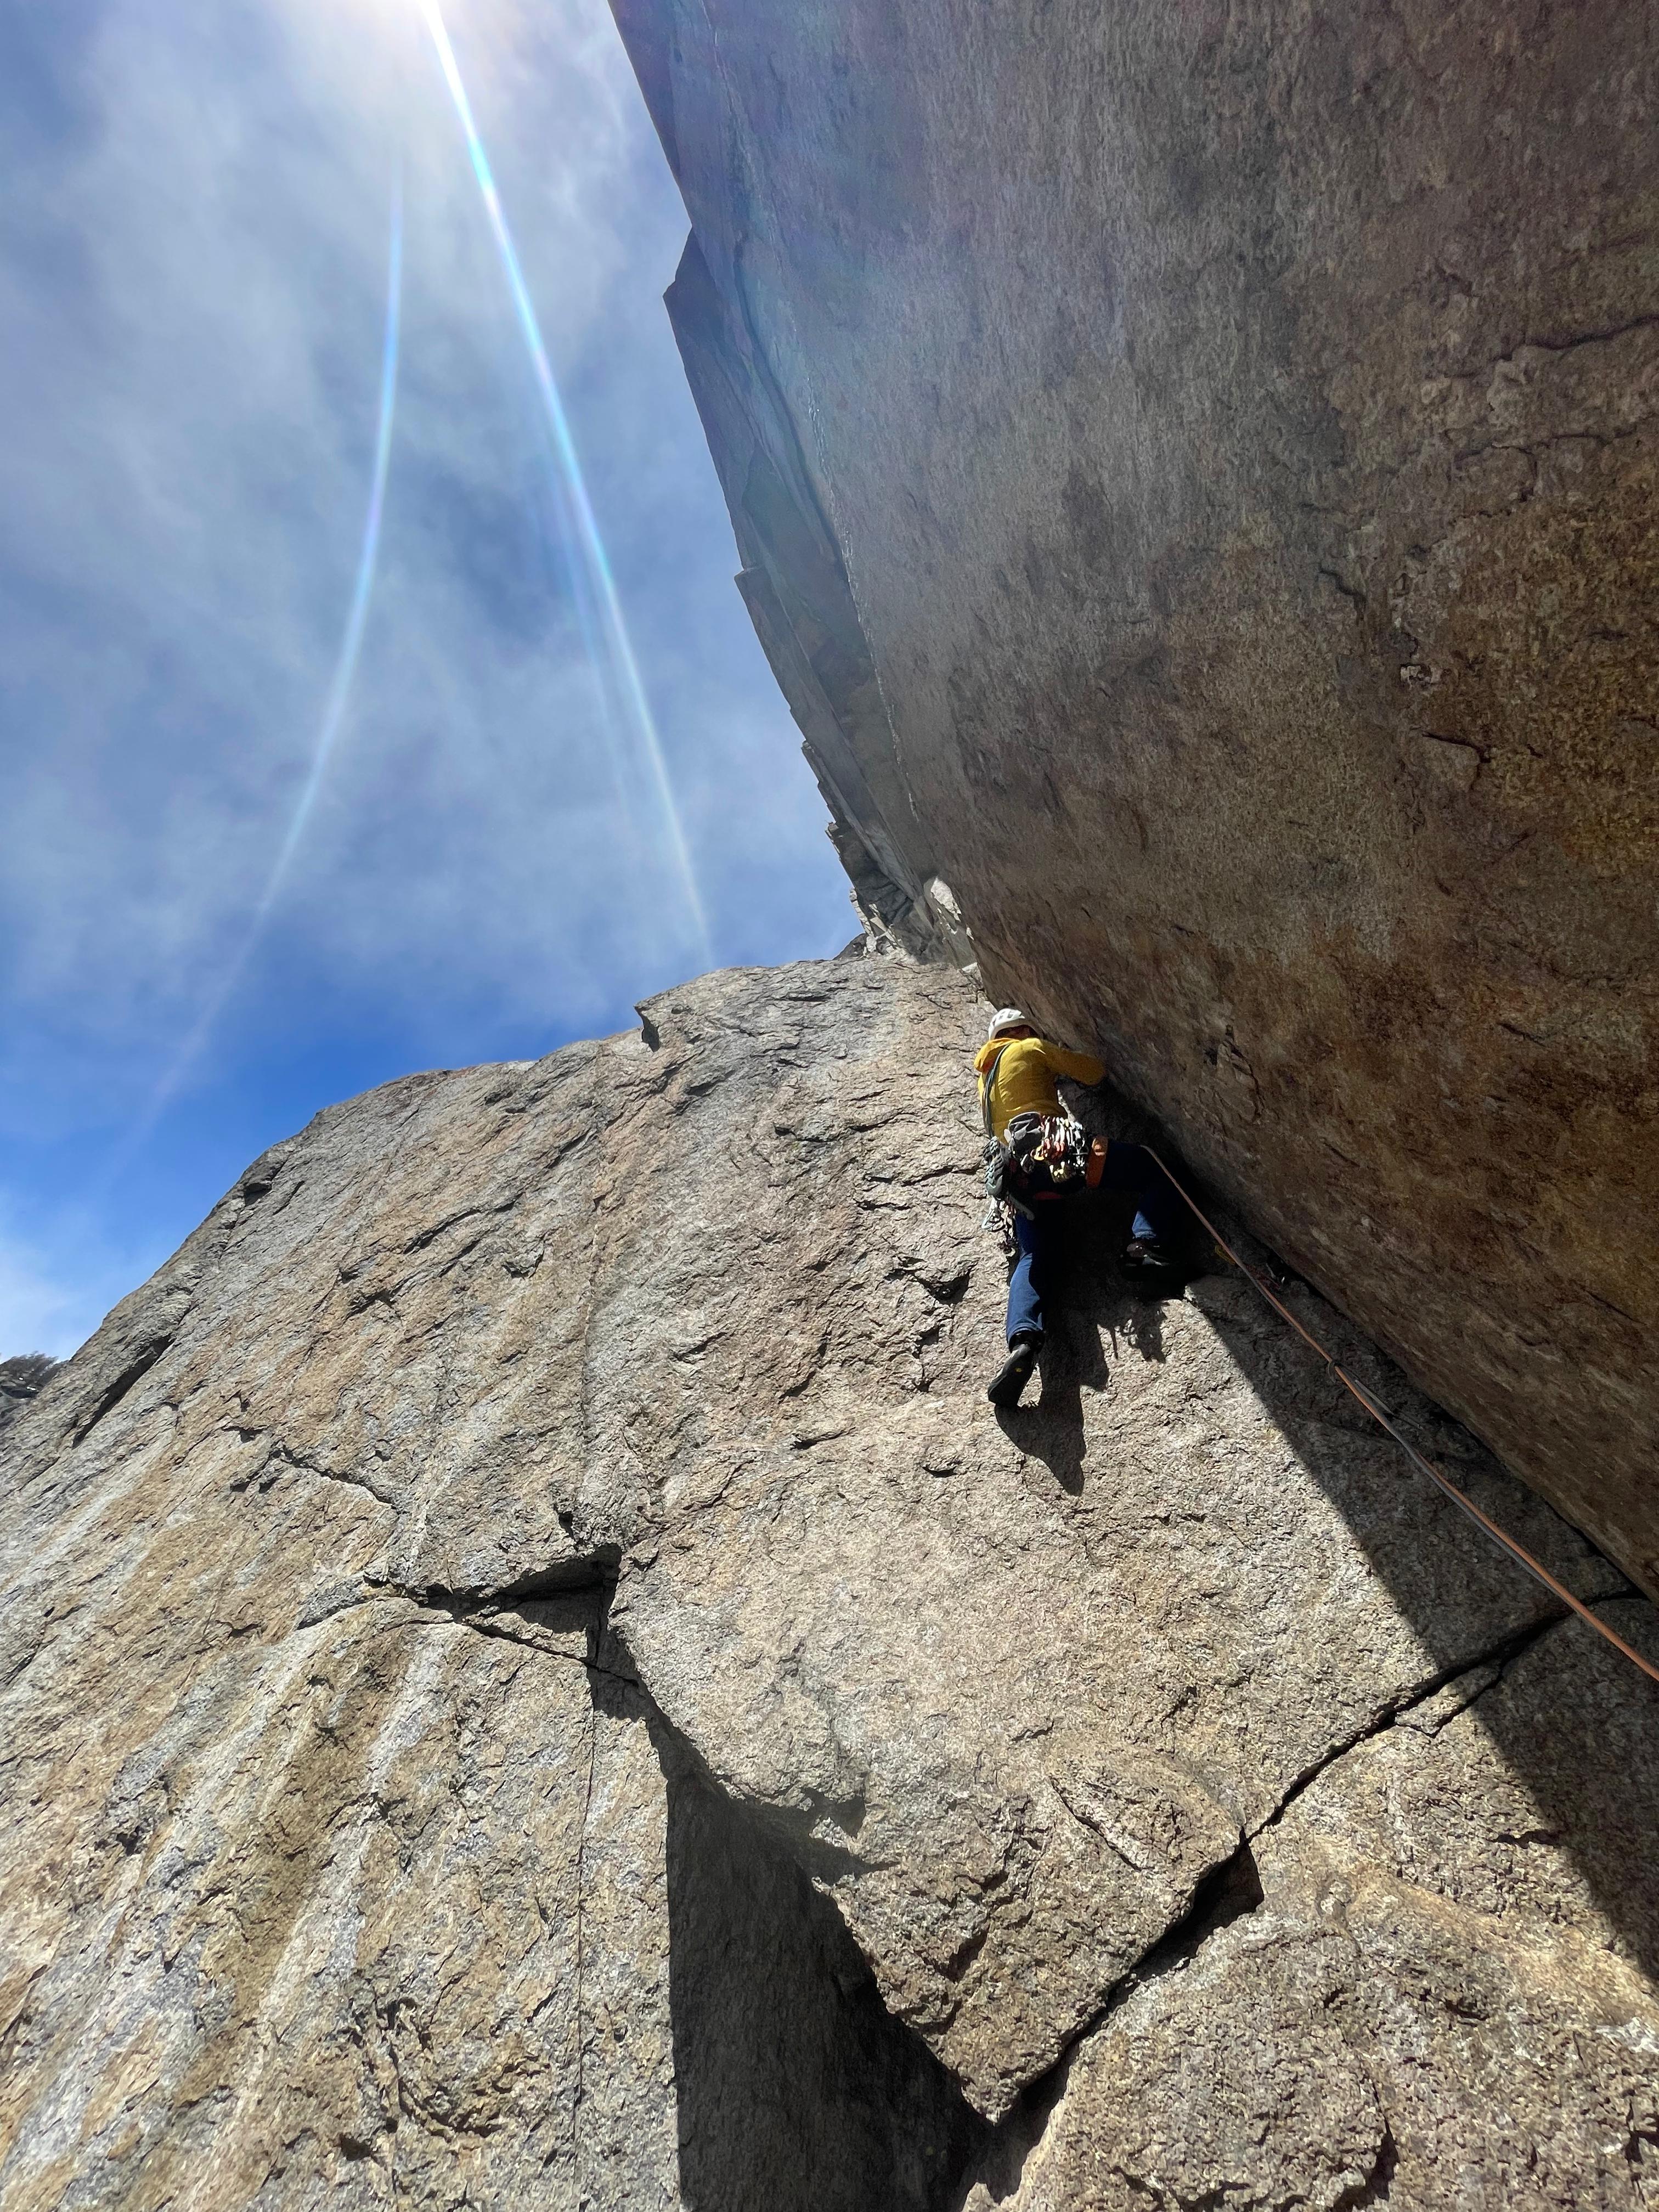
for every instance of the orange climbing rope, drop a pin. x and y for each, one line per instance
(1516, 1551)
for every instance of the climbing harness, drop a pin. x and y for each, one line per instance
(1039, 1157)
(1044, 1156)
(1518, 1553)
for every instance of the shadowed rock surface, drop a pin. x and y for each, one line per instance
(1193, 473)
(534, 1676)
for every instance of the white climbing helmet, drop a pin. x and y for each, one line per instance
(1004, 1019)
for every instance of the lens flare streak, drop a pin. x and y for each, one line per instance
(334, 710)
(592, 544)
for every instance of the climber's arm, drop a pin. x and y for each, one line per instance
(1076, 1066)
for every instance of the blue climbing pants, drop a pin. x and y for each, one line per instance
(1036, 1235)
(1130, 1172)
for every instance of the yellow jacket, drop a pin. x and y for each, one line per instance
(1025, 1074)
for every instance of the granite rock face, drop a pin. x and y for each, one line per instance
(532, 1676)
(1193, 469)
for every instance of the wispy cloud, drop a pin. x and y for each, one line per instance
(50, 1300)
(193, 277)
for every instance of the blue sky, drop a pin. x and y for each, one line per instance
(194, 243)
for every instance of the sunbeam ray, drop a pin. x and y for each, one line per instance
(620, 646)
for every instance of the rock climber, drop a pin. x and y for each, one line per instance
(1041, 1159)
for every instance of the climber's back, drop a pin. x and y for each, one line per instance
(1020, 1068)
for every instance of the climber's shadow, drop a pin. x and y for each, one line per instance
(1095, 1318)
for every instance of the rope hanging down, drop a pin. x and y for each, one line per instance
(1539, 1572)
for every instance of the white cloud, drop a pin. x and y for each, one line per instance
(52, 1301)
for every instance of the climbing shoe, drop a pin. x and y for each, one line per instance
(1015, 1372)
(1145, 1255)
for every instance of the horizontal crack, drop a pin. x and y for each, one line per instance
(352, 1479)
(591, 1570)
(489, 1624)
(1500, 1654)
(495, 1611)
(422, 1237)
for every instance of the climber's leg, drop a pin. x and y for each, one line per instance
(1160, 1217)
(1026, 1290)
(1015, 1372)
(1029, 1283)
